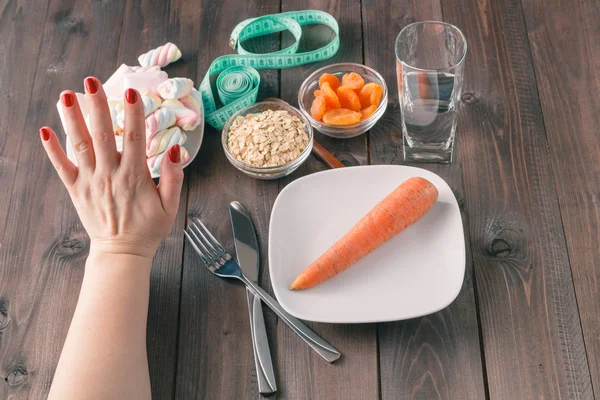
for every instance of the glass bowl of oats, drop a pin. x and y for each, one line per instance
(267, 140)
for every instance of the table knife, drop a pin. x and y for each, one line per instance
(246, 247)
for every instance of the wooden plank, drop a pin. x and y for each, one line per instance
(427, 357)
(44, 245)
(567, 69)
(149, 24)
(19, 26)
(215, 352)
(531, 331)
(303, 374)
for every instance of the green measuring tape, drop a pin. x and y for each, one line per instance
(238, 80)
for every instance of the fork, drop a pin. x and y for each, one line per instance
(220, 263)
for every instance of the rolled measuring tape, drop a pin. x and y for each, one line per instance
(238, 80)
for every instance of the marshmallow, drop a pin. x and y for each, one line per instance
(154, 68)
(175, 88)
(159, 120)
(119, 142)
(151, 103)
(186, 118)
(144, 81)
(116, 103)
(117, 129)
(160, 56)
(155, 161)
(191, 101)
(113, 87)
(165, 139)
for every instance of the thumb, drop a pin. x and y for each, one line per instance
(171, 180)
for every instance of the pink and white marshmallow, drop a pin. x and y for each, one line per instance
(164, 140)
(160, 56)
(155, 161)
(187, 119)
(159, 120)
(193, 101)
(175, 88)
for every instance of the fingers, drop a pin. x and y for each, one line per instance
(171, 179)
(77, 131)
(134, 133)
(65, 168)
(101, 127)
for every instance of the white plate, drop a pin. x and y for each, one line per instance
(418, 272)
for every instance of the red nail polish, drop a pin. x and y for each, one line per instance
(45, 133)
(91, 85)
(175, 154)
(67, 98)
(131, 96)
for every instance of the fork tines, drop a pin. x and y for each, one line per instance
(212, 254)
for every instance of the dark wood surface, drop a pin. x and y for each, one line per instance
(526, 324)
(429, 357)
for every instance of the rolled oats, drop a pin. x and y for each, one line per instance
(267, 139)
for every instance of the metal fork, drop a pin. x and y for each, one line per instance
(220, 263)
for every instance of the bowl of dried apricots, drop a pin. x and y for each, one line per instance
(343, 100)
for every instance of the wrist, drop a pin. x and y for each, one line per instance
(107, 262)
(122, 248)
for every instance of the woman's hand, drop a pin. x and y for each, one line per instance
(120, 207)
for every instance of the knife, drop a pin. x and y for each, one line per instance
(246, 248)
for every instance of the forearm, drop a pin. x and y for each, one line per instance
(104, 356)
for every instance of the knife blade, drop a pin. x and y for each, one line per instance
(247, 254)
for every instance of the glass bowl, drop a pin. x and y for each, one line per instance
(268, 173)
(310, 84)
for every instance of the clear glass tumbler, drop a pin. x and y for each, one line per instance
(429, 65)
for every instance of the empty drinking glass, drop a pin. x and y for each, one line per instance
(429, 66)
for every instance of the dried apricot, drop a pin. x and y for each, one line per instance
(318, 108)
(333, 81)
(318, 93)
(348, 98)
(341, 116)
(366, 112)
(353, 81)
(370, 94)
(330, 97)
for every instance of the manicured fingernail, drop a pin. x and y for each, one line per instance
(45, 133)
(175, 154)
(67, 98)
(131, 96)
(91, 84)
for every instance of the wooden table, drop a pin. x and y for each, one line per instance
(526, 324)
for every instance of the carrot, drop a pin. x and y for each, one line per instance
(403, 207)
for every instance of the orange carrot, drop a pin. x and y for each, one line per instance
(400, 209)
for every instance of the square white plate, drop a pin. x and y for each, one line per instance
(418, 272)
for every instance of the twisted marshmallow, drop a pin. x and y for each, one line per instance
(155, 161)
(193, 101)
(159, 120)
(175, 88)
(164, 140)
(186, 118)
(160, 56)
(151, 103)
